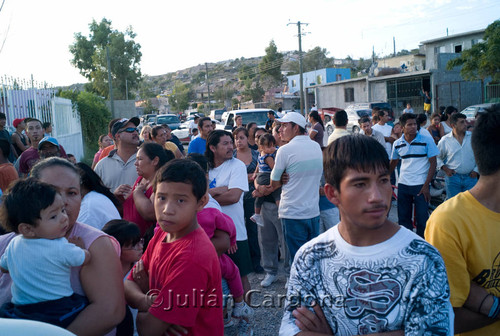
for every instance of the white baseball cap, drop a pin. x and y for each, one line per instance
(294, 117)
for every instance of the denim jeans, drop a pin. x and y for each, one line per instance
(407, 196)
(458, 183)
(328, 218)
(298, 232)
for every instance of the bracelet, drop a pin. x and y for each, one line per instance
(495, 308)
(479, 309)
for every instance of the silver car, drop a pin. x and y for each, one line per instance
(353, 116)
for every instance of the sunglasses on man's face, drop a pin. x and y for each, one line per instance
(129, 130)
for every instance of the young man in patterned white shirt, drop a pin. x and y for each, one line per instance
(366, 275)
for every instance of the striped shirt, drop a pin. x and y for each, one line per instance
(414, 158)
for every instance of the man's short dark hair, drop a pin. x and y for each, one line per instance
(405, 117)
(454, 118)
(154, 130)
(5, 147)
(199, 159)
(421, 118)
(380, 113)
(38, 195)
(46, 124)
(340, 118)
(213, 140)
(183, 171)
(364, 119)
(486, 141)
(450, 109)
(202, 120)
(27, 120)
(2, 116)
(360, 153)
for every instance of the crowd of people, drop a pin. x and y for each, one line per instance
(152, 239)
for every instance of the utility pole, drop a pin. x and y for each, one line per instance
(208, 87)
(110, 84)
(301, 70)
(394, 43)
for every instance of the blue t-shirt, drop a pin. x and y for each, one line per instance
(263, 166)
(44, 274)
(198, 145)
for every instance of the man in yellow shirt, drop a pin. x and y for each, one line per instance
(466, 231)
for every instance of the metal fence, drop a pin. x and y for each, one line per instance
(459, 94)
(20, 98)
(492, 93)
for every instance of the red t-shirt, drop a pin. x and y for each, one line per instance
(130, 212)
(186, 275)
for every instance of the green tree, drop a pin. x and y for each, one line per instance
(89, 56)
(317, 58)
(180, 97)
(271, 62)
(245, 72)
(148, 107)
(483, 59)
(253, 91)
(94, 118)
(314, 59)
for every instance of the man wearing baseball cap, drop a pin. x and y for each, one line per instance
(48, 147)
(302, 159)
(18, 139)
(118, 168)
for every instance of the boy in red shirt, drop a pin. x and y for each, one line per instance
(181, 281)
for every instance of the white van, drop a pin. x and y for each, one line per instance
(258, 116)
(217, 114)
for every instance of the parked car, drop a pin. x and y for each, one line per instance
(148, 118)
(172, 120)
(472, 111)
(258, 116)
(183, 135)
(369, 106)
(217, 114)
(353, 116)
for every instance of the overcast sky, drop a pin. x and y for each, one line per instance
(35, 35)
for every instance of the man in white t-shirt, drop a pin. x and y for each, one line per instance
(228, 181)
(302, 159)
(385, 129)
(366, 275)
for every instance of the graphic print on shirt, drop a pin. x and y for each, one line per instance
(407, 291)
(490, 278)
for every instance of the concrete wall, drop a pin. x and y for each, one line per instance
(327, 75)
(123, 108)
(447, 45)
(378, 91)
(412, 62)
(333, 95)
